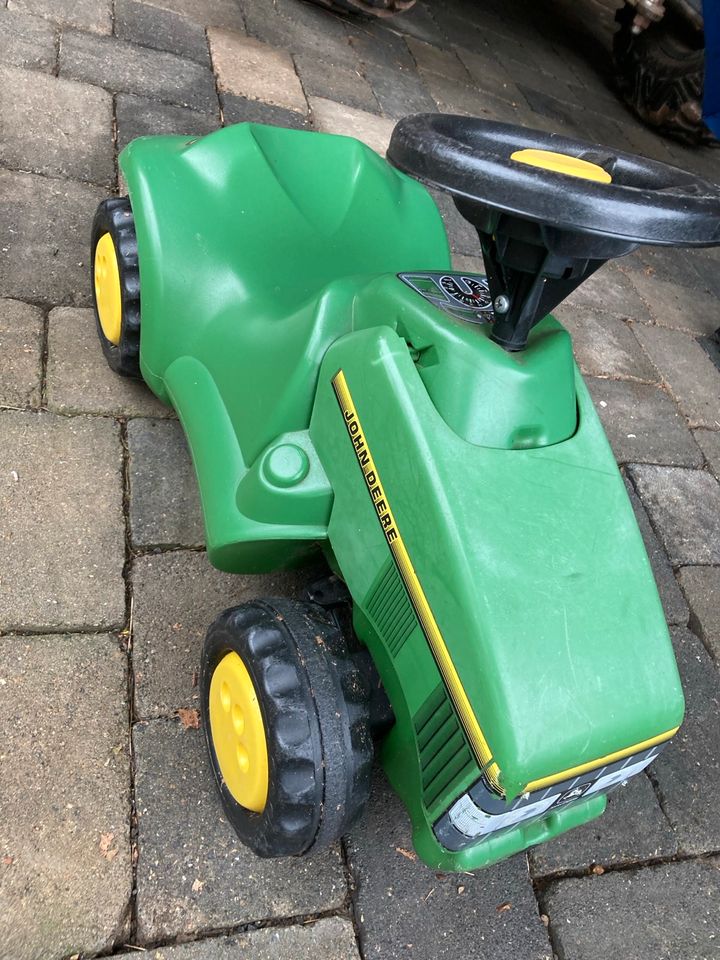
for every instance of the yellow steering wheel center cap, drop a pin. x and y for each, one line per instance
(238, 733)
(562, 163)
(108, 296)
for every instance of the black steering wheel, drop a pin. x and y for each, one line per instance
(549, 210)
(638, 200)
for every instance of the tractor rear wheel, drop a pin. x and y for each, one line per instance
(286, 715)
(115, 281)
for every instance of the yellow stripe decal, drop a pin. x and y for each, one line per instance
(415, 592)
(603, 761)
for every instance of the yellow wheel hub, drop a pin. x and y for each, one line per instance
(107, 288)
(238, 733)
(562, 163)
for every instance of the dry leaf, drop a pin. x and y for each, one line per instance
(504, 907)
(197, 886)
(190, 719)
(545, 919)
(106, 841)
(408, 854)
(8, 861)
(461, 889)
(598, 870)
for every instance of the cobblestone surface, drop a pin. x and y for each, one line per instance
(100, 526)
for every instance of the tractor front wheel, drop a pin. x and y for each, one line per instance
(115, 280)
(286, 716)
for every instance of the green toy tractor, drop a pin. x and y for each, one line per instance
(490, 624)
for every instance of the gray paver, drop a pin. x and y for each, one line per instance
(55, 127)
(688, 771)
(45, 222)
(453, 96)
(683, 308)
(154, 26)
(94, 15)
(26, 41)
(65, 877)
(611, 291)
(673, 601)
(643, 424)
(193, 873)
(248, 68)
(438, 60)
(633, 828)
(709, 441)
(206, 13)
(299, 28)
(404, 909)
(164, 499)
(374, 44)
(242, 110)
(329, 939)
(141, 117)
(688, 371)
(176, 598)
(702, 588)
(331, 117)
(684, 506)
(335, 81)
(61, 532)
(124, 67)
(398, 90)
(462, 236)
(668, 911)
(489, 75)
(21, 331)
(78, 377)
(604, 345)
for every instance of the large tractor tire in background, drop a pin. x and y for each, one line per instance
(660, 73)
(372, 8)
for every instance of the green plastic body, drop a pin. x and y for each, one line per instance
(269, 262)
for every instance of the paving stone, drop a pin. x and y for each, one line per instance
(331, 117)
(643, 424)
(689, 373)
(21, 333)
(708, 271)
(140, 117)
(687, 773)
(465, 99)
(709, 441)
(206, 13)
(94, 15)
(62, 532)
(164, 499)
(682, 308)
(300, 28)
(489, 75)
(603, 344)
(462, 261)
(27, 41)
(251, 69)
(417, 22)
(610, 291)
(399, 91)
(242, 110)
(664, 263)
(461, 234)
(404, 909)
(702, 588)
(673, 601)
(684, 506)
(329, 939)
(334, 81)
(193, 872)
(176, 597)
(66, 876)
(128, 68)
(437, 60)
(153, 26)
(78, 377)
(374, 44)
(633, 828)
(55, 127)
(45, 222)
(666, 911)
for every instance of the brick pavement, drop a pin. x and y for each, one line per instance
(111, 835)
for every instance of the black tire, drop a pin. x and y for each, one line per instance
(114, 216)
(660, 73)
(314, 703)
(371, 8)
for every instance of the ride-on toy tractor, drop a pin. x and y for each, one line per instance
(344, 391)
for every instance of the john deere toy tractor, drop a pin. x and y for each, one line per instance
(345, 392)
